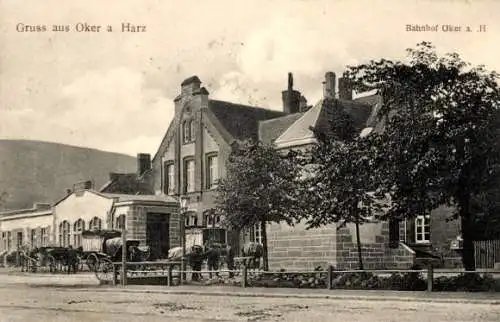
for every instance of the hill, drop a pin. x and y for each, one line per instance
(36, 171)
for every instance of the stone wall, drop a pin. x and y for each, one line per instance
(375, 250)
(298, 248)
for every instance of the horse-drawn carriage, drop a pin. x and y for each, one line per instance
(53, 257)
(103, 247)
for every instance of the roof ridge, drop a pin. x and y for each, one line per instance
(291, 115)
(247, 106)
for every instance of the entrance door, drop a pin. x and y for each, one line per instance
(157, 235)
(19, 239)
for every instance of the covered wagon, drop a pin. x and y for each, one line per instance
(103, 247)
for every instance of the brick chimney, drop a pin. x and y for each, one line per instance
(302, 104)
(82, 185)
(88, 185)
(291, 98)
(345, 89)
(143, 163)
(329, 86)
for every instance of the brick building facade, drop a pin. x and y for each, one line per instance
(204, 129)
(190, 160)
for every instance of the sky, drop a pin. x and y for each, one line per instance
(114, 91)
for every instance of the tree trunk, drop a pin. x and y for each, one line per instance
(265, 259)
(467, 235)
(358, 242)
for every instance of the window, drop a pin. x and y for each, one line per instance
(212, 220)
(78, 228)
(189, 176)
(9, 240)
(120, 222)
(256, 233)
(192, 129)
(169, 178)
(192, 220)
(212, 171)
(188, 131)
(44, 236)
(4, 241)
(95, 224)
(422, 229)
(33, 238)
(64, 233)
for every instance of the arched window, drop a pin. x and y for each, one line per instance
(95, 224)
(78, 228)
(64, 233)
(120, 222)
(192, 129)
(186, 131)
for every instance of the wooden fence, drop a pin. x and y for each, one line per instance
(487, 253)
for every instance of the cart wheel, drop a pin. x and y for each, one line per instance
(79, 264)
(92, 262)
(52, 264)
(104, 271)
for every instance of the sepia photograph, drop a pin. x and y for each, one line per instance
(266, 160)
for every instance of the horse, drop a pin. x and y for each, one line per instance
(194, 256)
(255, 251)
(225, 254)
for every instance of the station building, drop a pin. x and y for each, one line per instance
(190, 161)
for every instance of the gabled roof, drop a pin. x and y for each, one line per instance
(241, 121)
(376, 102)
(299, 133)
(270, 130)
(126, 183)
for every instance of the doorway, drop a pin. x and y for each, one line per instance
(157, 234)
(19, 239)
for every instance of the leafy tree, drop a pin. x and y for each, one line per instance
(440, 142)
(341, 189)
(258, 188)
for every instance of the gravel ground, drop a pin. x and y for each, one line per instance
(64, 303)
(38, 297)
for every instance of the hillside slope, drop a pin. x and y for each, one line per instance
(36, 171)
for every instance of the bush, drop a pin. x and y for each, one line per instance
(289, 280)
(400, 281)
(411, 281)
(470, 282)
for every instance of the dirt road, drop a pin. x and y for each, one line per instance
(65, 303)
